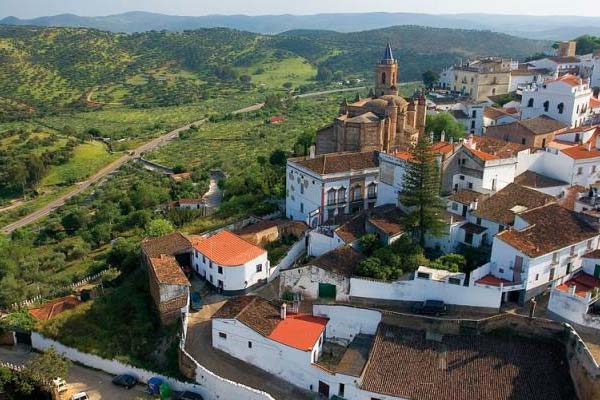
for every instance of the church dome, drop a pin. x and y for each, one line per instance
(398, 100)
(376, 105)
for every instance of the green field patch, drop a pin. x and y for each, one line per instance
(87, 158)
(295, 70)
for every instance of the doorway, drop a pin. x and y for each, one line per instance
(324, 389)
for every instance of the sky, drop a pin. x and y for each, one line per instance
(37, 8)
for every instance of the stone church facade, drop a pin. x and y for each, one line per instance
(382, 122)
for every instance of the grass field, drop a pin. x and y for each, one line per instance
(295, 70)
(87, 158)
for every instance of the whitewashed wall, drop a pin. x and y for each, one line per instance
(319, 243)
(306, 279)
(572, 308)
(212, 387)
(422, 289)
(346, 322)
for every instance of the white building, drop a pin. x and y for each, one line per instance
(471, 115)
(566, 99)
(447, 78)
(229, 263)
(576, 301)
(498, 116)
(522, 78)
(595, 65)
(542, 250)
(558, 65)
(321, 188)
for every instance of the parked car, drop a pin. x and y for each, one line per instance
(154, 385)
(431, 307)
(60, 384)
(126, 380)
(195, 301)
(187, 395)
(80, 396)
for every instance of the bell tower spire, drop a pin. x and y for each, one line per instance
(386, 74)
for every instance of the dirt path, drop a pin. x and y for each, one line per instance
(112, 167)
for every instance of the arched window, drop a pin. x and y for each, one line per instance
(356, 193)
(341, 195)
(530, 103)
(383, 78)
(331, 197)
(561, 108)
(546, 106)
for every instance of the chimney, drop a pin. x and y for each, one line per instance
(443, 136)
(311, 151)
(475, 204)
(283, 311)
(589, 145)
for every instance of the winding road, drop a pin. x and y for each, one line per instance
(115, 165)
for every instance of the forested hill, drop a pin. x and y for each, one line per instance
(50, 68)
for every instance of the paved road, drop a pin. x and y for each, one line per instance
(112, 167)
(96, 384)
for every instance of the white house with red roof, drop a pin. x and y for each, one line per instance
(543, 249)
(566, 99)
(230, 263)
(576, 301)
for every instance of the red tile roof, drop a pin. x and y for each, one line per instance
(228, 249)
(594, 102)
(482, 155)
(569, 79)
(492, 281)
(299, 331)
(583, 283)
(581, 152)
(339, 162)
(168, 271)
(53, 308)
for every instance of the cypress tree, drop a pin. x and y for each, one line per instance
(420, 196)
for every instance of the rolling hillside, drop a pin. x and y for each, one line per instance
(534, 27)
(52, 69)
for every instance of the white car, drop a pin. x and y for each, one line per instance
(80, 396)
(60, 384)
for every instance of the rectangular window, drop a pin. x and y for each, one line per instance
(537, 276)
(220, 269)
(341, 390)
(468, 238)
(210, 279)
(579, 171)
(455, 206)
(259, 268)
(501, 270)
(222, 335)
(569, 266)
(470, 185)
(422, 275)
(593, 169)
(197, 255)
(589, 244)
(454, 281)
(301, 207)
(249, 345)
(203, 260)
(462, 177)
(301, 189)
(478, 221)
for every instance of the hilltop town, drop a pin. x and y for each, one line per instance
(405, 261)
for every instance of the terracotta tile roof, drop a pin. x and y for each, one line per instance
(180, 177)
(228, 249)
(581, 152)
(534, 180)
(466, 196)
(339, 162)
(443, 147)
(500, 207)
(387, 218)
(497, 113)
(594, 102)
(592, 254)
(264, 317)
(482, 155)
(550, 228)
(564, 60)
(352, 230)
(53, 308)
(541, 125)
(299, 331)
(491, 280)
(497, 147)
(403, 363)
(475, 229)
(458, 114)
(171, 244)
(168, 271)
(261, 226)
(584, 283)
(342, 261)
(569, 79)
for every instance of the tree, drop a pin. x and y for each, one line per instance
(444, 122)
(41, 369)
(430, 78)
(288, 85)
(278, 158)
(159, 227)
(324, 74)
(421, 192)
(246, 79)
(76, 219)
(451, 262)
(369, 243)
(304, 141)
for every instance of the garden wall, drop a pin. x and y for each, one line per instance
(419, 290)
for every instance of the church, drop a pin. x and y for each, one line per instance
(384, 122)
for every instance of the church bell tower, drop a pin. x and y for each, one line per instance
(386, 74)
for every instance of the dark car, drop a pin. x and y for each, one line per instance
(189, 396)
(195, 301)
(431, 307)
(125, 380)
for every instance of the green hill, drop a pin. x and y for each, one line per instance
(52, 69)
